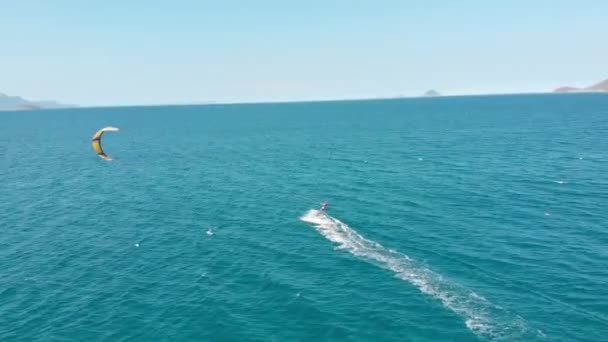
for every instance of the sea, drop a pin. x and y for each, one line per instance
(473, 218)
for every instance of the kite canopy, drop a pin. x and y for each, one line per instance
(96, 142)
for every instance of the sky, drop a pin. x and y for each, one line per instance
(133, 52)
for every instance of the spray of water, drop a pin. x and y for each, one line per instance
(483, 318)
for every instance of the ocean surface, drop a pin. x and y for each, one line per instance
(450, 219)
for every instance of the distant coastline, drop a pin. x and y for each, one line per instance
(600, 87)
(17, 103)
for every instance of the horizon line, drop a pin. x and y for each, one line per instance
(338, 99)
(261, 102)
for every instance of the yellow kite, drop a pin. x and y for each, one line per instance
(96, 142)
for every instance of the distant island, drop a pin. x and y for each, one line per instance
(432, 93)
(599, 87)
(18, 103)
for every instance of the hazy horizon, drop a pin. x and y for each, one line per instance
(109, 53)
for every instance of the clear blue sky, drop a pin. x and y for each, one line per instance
(145, 52)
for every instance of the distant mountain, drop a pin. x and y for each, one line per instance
(432, 93)
(602, 86)
(599, 87)
(19, 103)
(565, 90)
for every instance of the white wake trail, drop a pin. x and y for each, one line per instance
(481, 316)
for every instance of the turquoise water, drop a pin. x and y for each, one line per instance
(451, 219)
